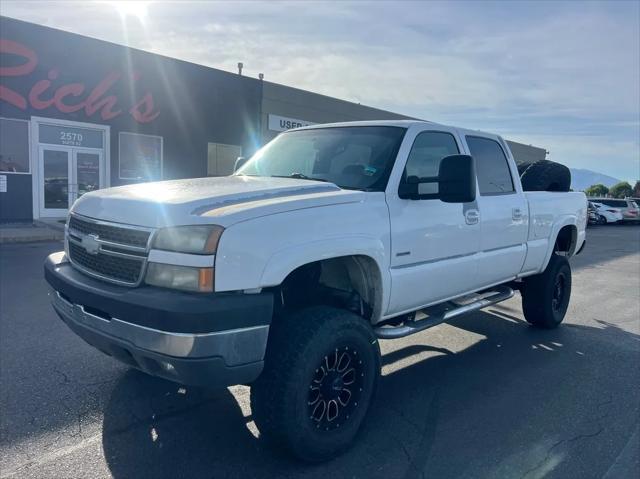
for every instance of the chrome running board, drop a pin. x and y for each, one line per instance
(435, 315)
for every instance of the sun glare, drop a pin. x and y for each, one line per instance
(131, 8)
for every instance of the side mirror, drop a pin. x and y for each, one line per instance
(456, 182)
(240, 161)
(457, 179)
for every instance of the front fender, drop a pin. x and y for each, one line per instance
(261, 252)
(283, 262)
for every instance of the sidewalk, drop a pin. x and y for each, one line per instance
(29, 232)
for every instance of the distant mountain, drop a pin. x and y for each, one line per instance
(583, 179)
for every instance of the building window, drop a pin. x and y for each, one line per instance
(140, 157)
(221, 159)
(14, 146)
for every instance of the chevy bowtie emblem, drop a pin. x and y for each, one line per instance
(90, 244)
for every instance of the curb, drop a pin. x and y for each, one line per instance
(30, 233)
(31, 238)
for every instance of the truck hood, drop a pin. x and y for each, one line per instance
(223, 201)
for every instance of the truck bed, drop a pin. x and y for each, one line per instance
(548, 213)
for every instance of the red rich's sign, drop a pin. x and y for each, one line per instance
(69, 97)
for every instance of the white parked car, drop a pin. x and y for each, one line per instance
(607, 214)
(286, 274)
(628, 207)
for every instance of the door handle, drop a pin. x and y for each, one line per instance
(516, 214)
(471, 217)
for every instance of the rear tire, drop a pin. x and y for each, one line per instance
(321, 371)
(545, 296)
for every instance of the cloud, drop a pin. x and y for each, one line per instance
(562, 75)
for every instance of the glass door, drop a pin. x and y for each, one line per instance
(67, 174)
(85, 173)
(55, 171)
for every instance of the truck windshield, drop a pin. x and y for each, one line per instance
(354, 157)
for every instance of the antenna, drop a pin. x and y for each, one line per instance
(261, 76)
(240, 65)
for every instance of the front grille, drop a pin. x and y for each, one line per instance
(113, 252)
(114, 234)
(117, 268)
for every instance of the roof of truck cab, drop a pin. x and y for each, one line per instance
(396, 123)
(400, 123)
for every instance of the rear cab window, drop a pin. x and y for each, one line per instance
(492, 167)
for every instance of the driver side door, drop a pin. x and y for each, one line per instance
(434, 244)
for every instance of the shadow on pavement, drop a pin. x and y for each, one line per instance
(519, 402)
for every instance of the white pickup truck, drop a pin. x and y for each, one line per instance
(285, 274)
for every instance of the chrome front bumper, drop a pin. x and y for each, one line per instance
(219, 358)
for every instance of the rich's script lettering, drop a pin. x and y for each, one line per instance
(70, 97)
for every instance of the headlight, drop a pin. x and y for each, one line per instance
(180, 277)
(189, 239)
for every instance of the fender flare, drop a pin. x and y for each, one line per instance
(286, 260)
(569, 220)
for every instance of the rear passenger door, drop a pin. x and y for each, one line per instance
(503, 212)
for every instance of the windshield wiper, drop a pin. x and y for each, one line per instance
(300, 176)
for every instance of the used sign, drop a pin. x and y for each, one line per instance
(282, 123)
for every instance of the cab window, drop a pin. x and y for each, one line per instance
(492, 167)
(429, 148)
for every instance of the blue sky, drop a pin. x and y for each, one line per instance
(561, 75)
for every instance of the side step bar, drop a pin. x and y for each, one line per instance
(488, 298)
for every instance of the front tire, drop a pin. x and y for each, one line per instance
(321, 371)
(545, 296)
(602, 220)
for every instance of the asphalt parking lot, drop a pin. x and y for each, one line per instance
(485, 396)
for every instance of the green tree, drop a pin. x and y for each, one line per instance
(621, 190)
(636, 190)
(597, 190)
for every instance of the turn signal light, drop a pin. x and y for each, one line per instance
(205, 279)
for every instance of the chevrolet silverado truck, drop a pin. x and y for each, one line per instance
(286, 274)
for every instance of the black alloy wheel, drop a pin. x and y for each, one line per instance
(336, 388)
